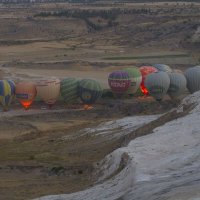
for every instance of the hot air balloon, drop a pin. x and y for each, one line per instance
(193, 79)
(119, 82)
(48, 90)
(89, 91)
(136, 79)
(177, 84)
(25, 93)
(145, 70)
(12, 86)
(5, 94)
(69, 90)
(157, 84)
(163, 68)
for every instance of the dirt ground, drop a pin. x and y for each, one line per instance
(43, 151)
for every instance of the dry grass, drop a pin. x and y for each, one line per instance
(24, 38)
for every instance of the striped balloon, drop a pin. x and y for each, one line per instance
(145, 70)
(193, 79)
(48, 90)
(177, 84)
(5, 94)
(163, 68)
(136, 79)
(12, 85)
(119, 82)
(69, 90)
(89, 91)
(157, 84)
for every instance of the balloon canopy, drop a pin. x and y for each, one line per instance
(193, 79)
(48, 90)
(12, 86)
(25, 93)
(119, 82)
(145, 70)
(177, 84)
(157, 84)
(89, 91)
(163, 68)
(135, 77)
(5, 94)
(69, 90)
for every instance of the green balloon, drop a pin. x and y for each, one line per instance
(69, 90)
(89, 91)
(136, 79)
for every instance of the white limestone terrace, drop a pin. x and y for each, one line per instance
(116, 128)
(162, 165)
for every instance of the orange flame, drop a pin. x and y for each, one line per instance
(26, 104)
(87, 107)
(144, 90)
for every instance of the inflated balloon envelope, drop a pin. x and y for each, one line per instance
(25, 93)
(119, 82)
(177, 85)
(89, 91)
(69, 90)
(136, 79)
(6, 94)
(157, 84)
(12, 86)
(163, 67)
(193, 78)
(48, 90)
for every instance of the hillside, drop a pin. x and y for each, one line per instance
(161, 165)
(103, 151)
(90, 37)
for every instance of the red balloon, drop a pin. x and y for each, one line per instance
(145, 70)
(119, 82)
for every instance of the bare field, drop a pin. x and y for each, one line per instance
(161, 31)
(44, 152)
